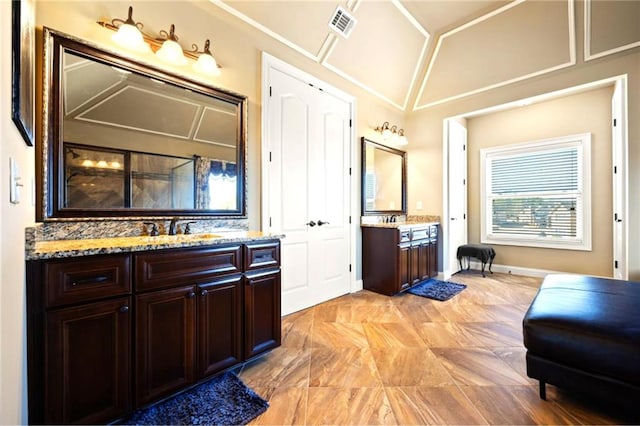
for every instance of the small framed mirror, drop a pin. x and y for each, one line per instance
(125, 139)
(384, 183)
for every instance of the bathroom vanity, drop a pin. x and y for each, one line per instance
(396, 256)
(115, 324)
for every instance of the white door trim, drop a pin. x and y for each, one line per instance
(270, 62)
(620, 146)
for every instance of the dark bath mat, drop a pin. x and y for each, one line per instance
(223, 400)
(435, 289)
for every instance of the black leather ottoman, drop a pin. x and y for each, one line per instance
(583, 334)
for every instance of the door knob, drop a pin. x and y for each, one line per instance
(320, 223)
(312, 224)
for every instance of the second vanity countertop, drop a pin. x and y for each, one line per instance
(399, 225)
(84, 247)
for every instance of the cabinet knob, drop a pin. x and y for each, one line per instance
(311, 224)
(124, 309)
(203, 292)
(191, 295)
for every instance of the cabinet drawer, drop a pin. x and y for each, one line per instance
(87, 278)
(434, 232)
(172, 268)
(405, 236)
(420, 233)
(262, 255)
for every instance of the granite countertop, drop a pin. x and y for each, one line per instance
(410, 222)
(399, 225)
(53, 249)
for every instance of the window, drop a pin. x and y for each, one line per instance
(538, 194)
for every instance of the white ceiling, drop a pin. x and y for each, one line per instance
(415, 54)
(392, 38)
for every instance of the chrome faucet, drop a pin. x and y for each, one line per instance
(172, 226)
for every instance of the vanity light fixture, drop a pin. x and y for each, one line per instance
(392, 134)
(206, 63)
(130, 36)
(171, 52)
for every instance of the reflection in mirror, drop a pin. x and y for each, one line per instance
(125, 139)
(383, 179)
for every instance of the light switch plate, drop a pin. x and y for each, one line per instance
(14, 181)
(418, 205)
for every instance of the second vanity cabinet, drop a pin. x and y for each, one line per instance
(111, 333)
(394, 258)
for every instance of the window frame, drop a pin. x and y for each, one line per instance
(582, 241)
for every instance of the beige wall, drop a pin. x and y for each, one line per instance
(13, 219)
(425, 151)
(588, 112)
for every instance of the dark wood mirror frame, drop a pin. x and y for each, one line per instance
(52, 178)
(402, 178)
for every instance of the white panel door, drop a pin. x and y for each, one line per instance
(309, 189)
(457, 190)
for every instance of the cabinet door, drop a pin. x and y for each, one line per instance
(414, 264)
(404, 267)
(88, 353)
(423, 261)
(262, 312)
(219, 324)
(165, 341)
(433, 258)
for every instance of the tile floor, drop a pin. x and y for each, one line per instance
(369, 359)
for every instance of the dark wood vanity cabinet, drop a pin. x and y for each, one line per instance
(110, 333)
(396, 258)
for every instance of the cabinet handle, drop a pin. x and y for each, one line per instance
(204, 292)
(320, 223)
(124, 309)
(311, 224)
(100, 279)
(191, 295)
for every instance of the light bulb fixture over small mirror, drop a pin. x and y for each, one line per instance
(391, 133)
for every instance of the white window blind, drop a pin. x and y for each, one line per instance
(536, 194)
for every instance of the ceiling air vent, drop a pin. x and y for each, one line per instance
(342, 22)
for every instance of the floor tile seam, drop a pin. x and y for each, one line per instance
(471, 403)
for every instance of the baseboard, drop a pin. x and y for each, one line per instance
(357, 286)
(515, 270)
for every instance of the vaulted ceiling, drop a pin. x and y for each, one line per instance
(418, 54)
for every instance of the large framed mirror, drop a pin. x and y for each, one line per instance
(384, 179)
(126, 139)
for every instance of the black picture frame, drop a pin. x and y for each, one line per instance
(23, 68)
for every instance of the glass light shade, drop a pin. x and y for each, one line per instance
(130, 37)
(207, 64)
(386, 133)
(402, 140)
(171, 52)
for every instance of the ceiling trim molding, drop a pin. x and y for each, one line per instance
(411, 19)
(571, 62)
(587, 38)
(416, 69)
(265, 30)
